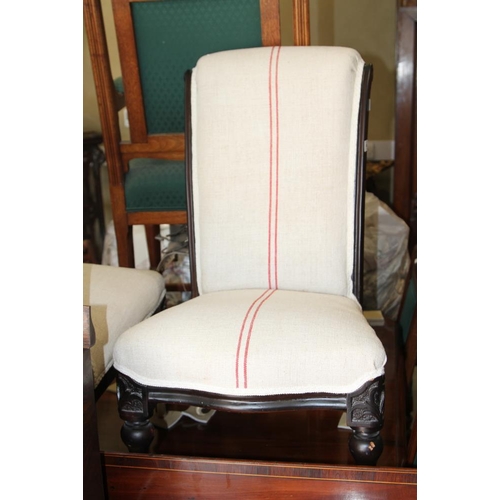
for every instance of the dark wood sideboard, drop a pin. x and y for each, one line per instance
(405, 169)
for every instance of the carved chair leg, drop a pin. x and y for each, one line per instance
(365, 446)
(133, 406)
(138, 436)
(365, 415)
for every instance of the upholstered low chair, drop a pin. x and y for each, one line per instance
(119, 298)
(275, 170)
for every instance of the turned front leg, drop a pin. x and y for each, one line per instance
(137, 431)
(365, 416)
(138, 436)
(365, 446)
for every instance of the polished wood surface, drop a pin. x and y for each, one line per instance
(231, 453)
(129, 63)
(105, 89)
(301, 23)
(137, 218)
(155, 477)
(108, 103)
(270, 22)
(405, 170)
(155, 146)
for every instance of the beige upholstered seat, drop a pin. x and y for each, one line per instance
(119, 299)
(297, 342)
(275, 167)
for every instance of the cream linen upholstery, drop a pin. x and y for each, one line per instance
(273, 181)
(274, 133)
(299, 343)
(119, 299)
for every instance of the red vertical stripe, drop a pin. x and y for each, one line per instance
(245, 360)
(241, 337)
(272, 257)
(272, 236)
(271, 133)
(276, 176)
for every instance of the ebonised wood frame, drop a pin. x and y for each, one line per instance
(364, 407)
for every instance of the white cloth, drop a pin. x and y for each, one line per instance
(274, 152)
(119, 298)
(287, 342)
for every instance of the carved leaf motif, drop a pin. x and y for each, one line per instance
(134, 405)
(368, 407)
(363, 415)
(129, 396)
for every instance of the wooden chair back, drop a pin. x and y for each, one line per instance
(154, 98)
(153, 60)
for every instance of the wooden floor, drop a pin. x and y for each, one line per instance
(261, 441)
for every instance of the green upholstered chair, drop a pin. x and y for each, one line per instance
(158, 41)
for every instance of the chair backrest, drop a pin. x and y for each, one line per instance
(276, 161)
(158, 41)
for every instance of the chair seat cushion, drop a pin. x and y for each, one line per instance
(119, 298)
(153, 184)
(254, 342)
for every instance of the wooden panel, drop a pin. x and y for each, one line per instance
(177, 217)
(129, 475)
(164, 155)
(405, 140)
(270, 22)
(105, 90)
(130, 69)
(301, 23)
(171, 144)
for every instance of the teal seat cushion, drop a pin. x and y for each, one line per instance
(155, 185)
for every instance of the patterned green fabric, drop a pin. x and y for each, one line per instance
(171, 35)
(118, 83)
(155, 185)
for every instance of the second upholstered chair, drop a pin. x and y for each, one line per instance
(119, 298)
(275, 165)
